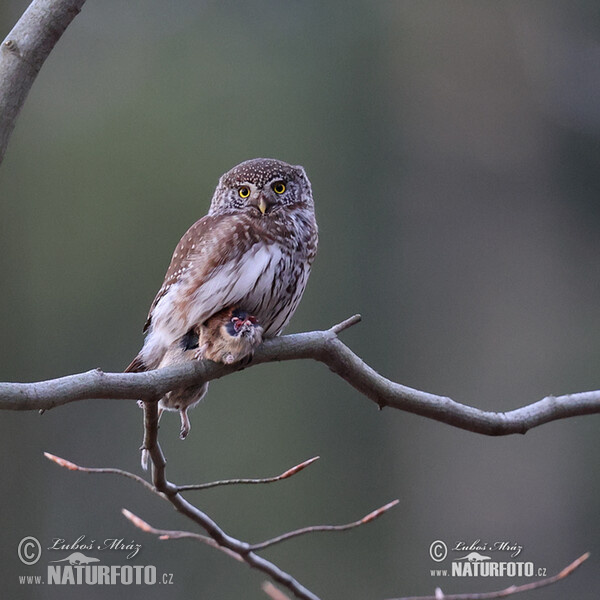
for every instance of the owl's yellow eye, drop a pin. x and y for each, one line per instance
(244, 191)
(279, 187)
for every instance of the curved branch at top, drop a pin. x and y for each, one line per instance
(23, 53)
(322, 346)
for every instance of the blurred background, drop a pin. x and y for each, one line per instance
(454, 152)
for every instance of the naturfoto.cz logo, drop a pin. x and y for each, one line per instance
(482, 559)
(79, 568)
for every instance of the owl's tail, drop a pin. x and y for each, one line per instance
(137, 365)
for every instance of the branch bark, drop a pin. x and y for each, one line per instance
(322, 346)
(23, 53)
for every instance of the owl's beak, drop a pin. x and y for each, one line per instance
(263, 205)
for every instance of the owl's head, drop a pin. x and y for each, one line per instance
(262, 186)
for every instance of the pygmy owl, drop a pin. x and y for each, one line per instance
(229, 336)
(253, 250)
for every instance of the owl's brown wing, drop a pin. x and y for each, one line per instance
(192, 238)
(221, 260)
(204, 242)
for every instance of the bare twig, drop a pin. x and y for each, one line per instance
(23, 53)
(314, 528)
(275, 594)
(347, 323)
(218, 539)
(323, 346)
(222, 539)
(67, 464)
(246, 549)
(284, 475)
(509, 591)
(169, 534)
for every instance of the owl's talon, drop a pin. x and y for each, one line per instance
(185, 424)
(199, 354)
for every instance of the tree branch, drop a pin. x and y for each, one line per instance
(244, 552)
(193, 513)
(275, 594)
(322, 346)
(285, 475)
(23, 53)
(67, 464)
(216, 537)
(170, 534)
(315, 528)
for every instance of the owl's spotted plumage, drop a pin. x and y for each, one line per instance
(253, 250)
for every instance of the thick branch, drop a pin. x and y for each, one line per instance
(23, 53)
(323, 346)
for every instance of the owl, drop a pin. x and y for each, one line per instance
(229, 336)
(254, 249)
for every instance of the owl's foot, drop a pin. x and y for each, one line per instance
(185, 423)
(199, 354)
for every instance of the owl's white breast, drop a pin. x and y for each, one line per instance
(249, 279)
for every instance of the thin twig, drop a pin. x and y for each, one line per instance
(168, 534)
(509, 591)
(347, 323)
(190, 511)
(284, 475)
(67, 464)
(274, 593)
(314, 528)
(323, 346)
